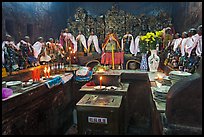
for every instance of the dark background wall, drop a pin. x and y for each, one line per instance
(97, 8)
(48, 18)
(35, 19)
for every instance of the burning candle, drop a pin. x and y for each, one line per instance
(113, 61)
(160, 77)
(48, 72)
(100, 81)
(45, 72)
(33, 75)
(37, 74)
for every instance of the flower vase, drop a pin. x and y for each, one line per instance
(143, 63)
(153, 61)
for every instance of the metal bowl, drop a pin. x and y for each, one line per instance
(14, 85)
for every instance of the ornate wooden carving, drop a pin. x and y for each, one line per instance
(119, 20)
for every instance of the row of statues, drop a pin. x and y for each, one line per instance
(18, 56)
(92, 45)
(23, 54)
(184, 51)
(112, 50)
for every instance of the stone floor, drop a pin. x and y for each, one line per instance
(132, 130)
(72, 130)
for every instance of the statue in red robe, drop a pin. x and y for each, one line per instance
(69, 45)
(111, 51)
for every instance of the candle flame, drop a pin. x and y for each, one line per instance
(48, 70)
(159, 76)
(45, 70)
(100, 77)
(101, 70)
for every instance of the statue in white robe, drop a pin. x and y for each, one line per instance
(137, 48)
(127, 43)
(190, 41)
(81, 43)
(183, 42)
(176, 42)
(92, 44)
(37, 47)
(199, 41)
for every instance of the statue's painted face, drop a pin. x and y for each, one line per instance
(9, 38)
(110, 38)
(66, 30)
(27, 39)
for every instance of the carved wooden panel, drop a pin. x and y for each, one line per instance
(119, 20)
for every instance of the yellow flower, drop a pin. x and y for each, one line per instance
(147, 40)
(153, 38)
(148, 34)
(143, 37)
(157, 33)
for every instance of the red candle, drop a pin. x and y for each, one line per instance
(33, 75)
(100, 81)
(38, 74)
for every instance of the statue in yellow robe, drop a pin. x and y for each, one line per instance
(111, 54)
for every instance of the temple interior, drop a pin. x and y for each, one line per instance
(101, 68)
